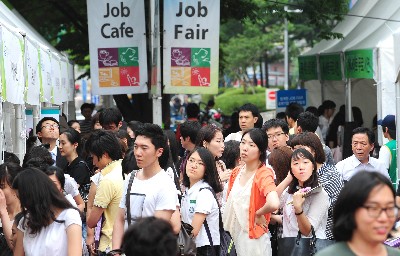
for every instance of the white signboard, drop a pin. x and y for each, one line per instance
(32, 66)
(45, 74)
(56, 80)
(191, 46)
(117, 40)
(270, 98)
(13, 82)
(64, 80)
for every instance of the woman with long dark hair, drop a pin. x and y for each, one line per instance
(51, 225)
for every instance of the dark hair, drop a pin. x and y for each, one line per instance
(134, 125)
(11, 157)
(261, 140)
(248, 107)
(129, 162)
(392, 133)
(8, 172)
(363, 130)
(311, 140)
(58, 172)
(173, 145)
(352, 197)
(206, 133)
(210, 173)
(338, 120)
(192, 110)
(38, 196)
(101, 142)
(293, 110)
(190, 129)
(328, 104)
(280, 159)
(276, 123)
(308, 122)
(73, 137)
(357, 116)
(163, 160)
(154, 133)
(38, 157)
(313, 180)
(231, 153)
(110, 116)
(313, 110)
(44, 119)
(259, 122)
(123, 134)
(94, 120)
(88, 105)
(281, 115)
(71, 122)
(148, 237)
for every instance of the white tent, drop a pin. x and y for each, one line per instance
(372, 29)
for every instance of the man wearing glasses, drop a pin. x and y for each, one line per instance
(277, 131)
(48, 131)
(362, 143)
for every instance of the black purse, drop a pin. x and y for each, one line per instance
(298, 246)
(186, 244)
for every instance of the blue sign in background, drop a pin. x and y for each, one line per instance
(284, 97)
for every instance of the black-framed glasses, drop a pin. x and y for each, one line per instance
(270, 136)
(48, 126)
(375, 211)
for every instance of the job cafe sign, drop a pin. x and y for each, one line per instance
(117, 40)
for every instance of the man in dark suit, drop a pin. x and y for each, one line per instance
(48, 131)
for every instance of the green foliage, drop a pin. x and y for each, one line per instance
(233, 98)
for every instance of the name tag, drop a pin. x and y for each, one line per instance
(192, 201)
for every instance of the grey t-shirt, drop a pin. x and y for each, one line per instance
(342, 249)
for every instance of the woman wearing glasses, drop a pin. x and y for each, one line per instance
(364, 214)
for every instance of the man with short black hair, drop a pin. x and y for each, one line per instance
(387, 153)
(110, 119)
(362, 143)
(152, 192)
(248, 116)
(48, 132)
(292, 112)
(105, 149)
(277, 131)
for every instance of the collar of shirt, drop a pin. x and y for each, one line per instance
(355, 162)
(195, 188)
(110, 167)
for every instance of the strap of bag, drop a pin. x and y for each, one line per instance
(127, 197)
(91, 173)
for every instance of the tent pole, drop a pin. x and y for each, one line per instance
(36, 117)
(349, 112)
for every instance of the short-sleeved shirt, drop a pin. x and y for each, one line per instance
(51, 240)
(147, 196)
(351, 165)
(194, 201)
(70, 186)
(79, 171)
(342, 249)
(108, 195)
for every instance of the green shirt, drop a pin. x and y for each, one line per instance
(342, 249)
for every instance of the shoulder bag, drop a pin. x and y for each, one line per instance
(227, 247)
(299, 246)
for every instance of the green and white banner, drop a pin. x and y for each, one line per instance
(117, 41)
(191, 46)
(330, 66)
(308, 68)
(359, 64)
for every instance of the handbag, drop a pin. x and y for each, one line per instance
(226, 246)
(298, 246)
(186, 244)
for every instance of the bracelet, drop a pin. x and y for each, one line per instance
(300, 213)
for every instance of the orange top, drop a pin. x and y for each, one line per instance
(263, 183)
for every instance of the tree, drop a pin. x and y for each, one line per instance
(64, 24)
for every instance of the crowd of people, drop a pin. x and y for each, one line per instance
(106, 187)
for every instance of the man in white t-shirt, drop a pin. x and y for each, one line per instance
(362, 143)
(248, 116)
(153, 192)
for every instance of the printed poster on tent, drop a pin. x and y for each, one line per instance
(32, 74)
(13, 83)
(191, 46)
(45, 75)
(117, 42)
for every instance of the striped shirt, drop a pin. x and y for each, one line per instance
(332, 182)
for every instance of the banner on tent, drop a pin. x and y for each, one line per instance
(191, 46)
(56, 91)
(359, 64)
(331, 67)
(284, 97)
(12, 71)
(308, 68)
(32, 79)
(117, 40)
(45, 74)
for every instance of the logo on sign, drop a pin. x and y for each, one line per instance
(272, 95)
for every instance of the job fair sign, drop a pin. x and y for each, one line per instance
(117, 40)
(191, 46)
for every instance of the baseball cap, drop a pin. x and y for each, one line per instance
(389, 121)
